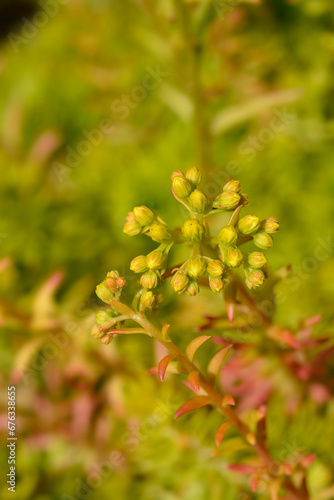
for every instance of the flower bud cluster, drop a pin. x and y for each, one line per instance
(212, 258)
(111, 287)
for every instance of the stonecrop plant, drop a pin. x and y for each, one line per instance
(213, 262)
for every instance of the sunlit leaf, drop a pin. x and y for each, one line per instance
(194, 345)
(193, 404)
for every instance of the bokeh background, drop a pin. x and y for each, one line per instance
(100, 101)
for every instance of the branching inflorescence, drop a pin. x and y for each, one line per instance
(213, 262)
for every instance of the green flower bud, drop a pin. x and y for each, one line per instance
(196, 267)
(193, 230)
(228, 200)
(106, 339)
(144, 215)
(270, 225)
(159, 232)
(181, 186)
(194, 176)
(132, 228)
(149, 280)
(192, 288)
(249, 224)
(198, 201)
(138, 264)
(96, 332)
(104, 293)
(257, 260)
(146, 301)
(216, 268)
(255, 278)
(216, 283)
(155, 259)
(232, 186)
(263, 240)
(228, 235)
(103, 316)
(179, 282)
(234, 257)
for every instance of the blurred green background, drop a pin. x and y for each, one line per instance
(100, 101)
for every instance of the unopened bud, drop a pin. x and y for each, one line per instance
(147, 300)
(256, 277)
(228, 200)
(228, 235)
(143, 215)
(216, 268)
(159, 232)
(196, 267)
(106, 339)
(179, 282)
(155, 259)
(104, 293)
(194, 176)
(270, 225)
(216, 283)
(149, 279)
(234, 257)
(193, 230)
(138, 264)
(263, 240)
(232, 186)
(132, 228)
(192, 288)
(198, 201)
(248, 224)
(181, 186)
(102, 317)
(120, 282)
(96, 332)
(257, 260)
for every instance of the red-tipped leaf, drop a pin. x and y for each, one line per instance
(217, 359)
(192, 404)
(193, 380)
(194, 345)
(228, 400)
(221, 431)
(162, 366)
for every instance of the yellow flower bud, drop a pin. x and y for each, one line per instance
(104, 293)
(228, 235)
(143, 215)
(228, 200)
(132, 228)
(194, 176)
(257, 260)
(106, 339)
(192, 288)
(216, 268)
(181, 186)
(270, 225)
(198, 201)
(149, 279)
(196, 267)
(138, 264)
(193, 230)
(179, 282)
(234, 257)
(159, 232)
(155, 259)
(249, 224)
(255, 278)
(232, 186)
(102, 317)
(263, 240)
(146, 301)
(216, 283)
(96, 332)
